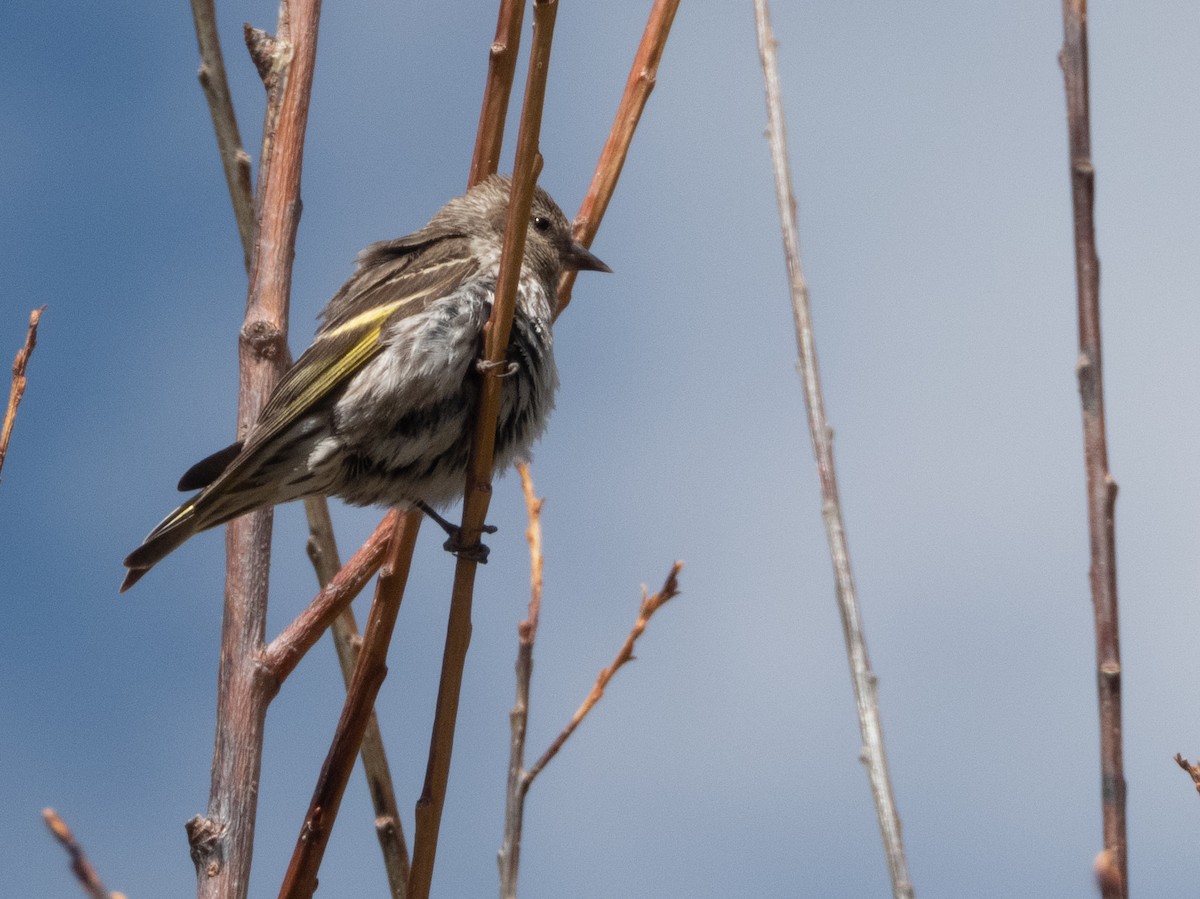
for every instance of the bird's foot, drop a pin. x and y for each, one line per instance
(454, 543)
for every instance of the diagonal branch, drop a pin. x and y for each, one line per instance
(866, 698)
(17, 391)
(642, 77)
(1101, 487)
(369, 672)
(234, 158)
(80, 866)
(478, 488)
(650, 605)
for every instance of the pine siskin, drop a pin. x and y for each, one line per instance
(380, 409)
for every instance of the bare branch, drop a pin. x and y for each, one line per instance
(234, 159)
(1101, 488)
(642, 77)
(80, 866)
(301, 877)
(223, 841)
(509, 857)
(322, 551)
(874, 755)
(280, 658)
(20, 363)
(502, 66)
(478, 487)
(650, 605)
(1192, 770)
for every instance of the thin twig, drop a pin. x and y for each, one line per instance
(874, 755)
(650, 605)
(223, 840)
(20, 363)
(478, 487)
(234, 158)
(502, 66)
(1192, 770)
(509, 857)
(80, 866)
(642, 77)
(322, 551)
(1101, 487)
(301, 877)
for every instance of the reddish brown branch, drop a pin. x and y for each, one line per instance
(20, 363)
(502, 66)
(478, 488)
(301, 877)
(322, 551)
(642, 77)
(873, 754)
(80, 866)
(223, 841)
(509, 858)
(650, 605)
(1101, 488)
(280, 658)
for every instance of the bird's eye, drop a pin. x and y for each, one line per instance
(541, 223)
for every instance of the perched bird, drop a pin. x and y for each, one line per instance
(380, 409)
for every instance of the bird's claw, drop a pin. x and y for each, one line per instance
(477, 553)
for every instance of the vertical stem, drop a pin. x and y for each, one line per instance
(874, 755)
(223, 841)
(478, 488)
(1101, 488)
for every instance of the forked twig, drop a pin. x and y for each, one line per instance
(17, 391)
(1101, 487)
(874, 755)
(650, 605)
(509, 857)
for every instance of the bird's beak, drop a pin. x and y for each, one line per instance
(582, 259)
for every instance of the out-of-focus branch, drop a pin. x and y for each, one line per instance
(509, 858)
(642, 77)
(650, 605)
(874, 755)
(478, 486)
(80, 866)
(369, 672)
(1101, 487)
(502, 66)
(234, 158)
(20, 363)
(223, 840)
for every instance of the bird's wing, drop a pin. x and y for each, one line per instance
(376, 296)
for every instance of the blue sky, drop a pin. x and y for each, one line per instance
(929, 154)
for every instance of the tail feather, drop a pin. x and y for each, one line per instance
(207, 510)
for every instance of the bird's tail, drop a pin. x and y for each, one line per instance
(168, 536)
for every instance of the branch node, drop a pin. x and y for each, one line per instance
(264, 339)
